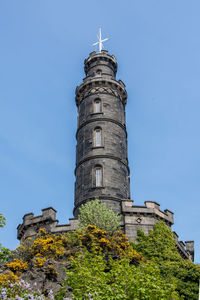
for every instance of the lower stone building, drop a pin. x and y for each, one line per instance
(102, 169)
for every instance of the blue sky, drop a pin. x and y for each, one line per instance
(43, 45)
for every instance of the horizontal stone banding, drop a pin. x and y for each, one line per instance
(101, 119)
(101, 83)
(102, 156)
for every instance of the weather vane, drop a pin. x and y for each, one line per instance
(100, 41)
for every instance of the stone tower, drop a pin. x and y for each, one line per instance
(101, 154)
(101, 159)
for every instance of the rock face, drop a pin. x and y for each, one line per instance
(46, 278)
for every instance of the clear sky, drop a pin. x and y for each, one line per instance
(43, 44)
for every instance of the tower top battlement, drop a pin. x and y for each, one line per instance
(100, 69)
(95, 58)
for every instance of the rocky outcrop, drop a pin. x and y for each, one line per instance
(47, 278)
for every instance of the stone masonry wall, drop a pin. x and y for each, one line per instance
(111, 155)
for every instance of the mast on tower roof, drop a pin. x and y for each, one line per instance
(100, 41)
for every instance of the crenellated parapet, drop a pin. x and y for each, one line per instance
(100, 69)
(31, 224)
(186, 249)
(145, 217)
(97, 59)
(133, 217)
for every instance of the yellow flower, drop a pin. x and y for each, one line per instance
(6, 279)
(39, 262)
(17, 265)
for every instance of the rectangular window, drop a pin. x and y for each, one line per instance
(98, 177)
(98, 137)
(97, 107)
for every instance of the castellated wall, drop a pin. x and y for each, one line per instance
(31, 224)
(133, 217)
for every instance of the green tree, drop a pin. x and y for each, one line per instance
(97, 213)
(2, 220)
(4, 252)
(100, 277)
(159, 246)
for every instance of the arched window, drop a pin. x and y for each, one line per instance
(98, 137)
(97, 106)
(98, 176)
(98, 73)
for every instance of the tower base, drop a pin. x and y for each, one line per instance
(133, 217)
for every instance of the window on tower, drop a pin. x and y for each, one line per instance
(97, 106)
(98, 137)
(98, 73)
(98, 176)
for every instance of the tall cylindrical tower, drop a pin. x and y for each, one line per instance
(101, 153)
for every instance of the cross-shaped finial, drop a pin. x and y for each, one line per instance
(100, 41)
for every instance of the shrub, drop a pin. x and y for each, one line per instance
(17, 266)
(160, 246)
(96, 277)
(97, 213)
(39, 262)
(45, 245)
(6, 279)
(94, 239)
(48, 245)
(2, 220)
(4, 252)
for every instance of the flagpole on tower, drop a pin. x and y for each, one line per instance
(100, 41)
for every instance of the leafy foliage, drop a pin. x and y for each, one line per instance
(159, 246)
(117, 245)
(96, 213)
(6, 279)
(102, 264)
(17, 266)
(59, 247)
(4, 252)
(108, 278)
(2, 220)
(45, 245)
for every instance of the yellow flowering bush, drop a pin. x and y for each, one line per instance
(6, 279)
(39, 262)
(116, 244)
(44, 246)
(17, 265)
(48, 245)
